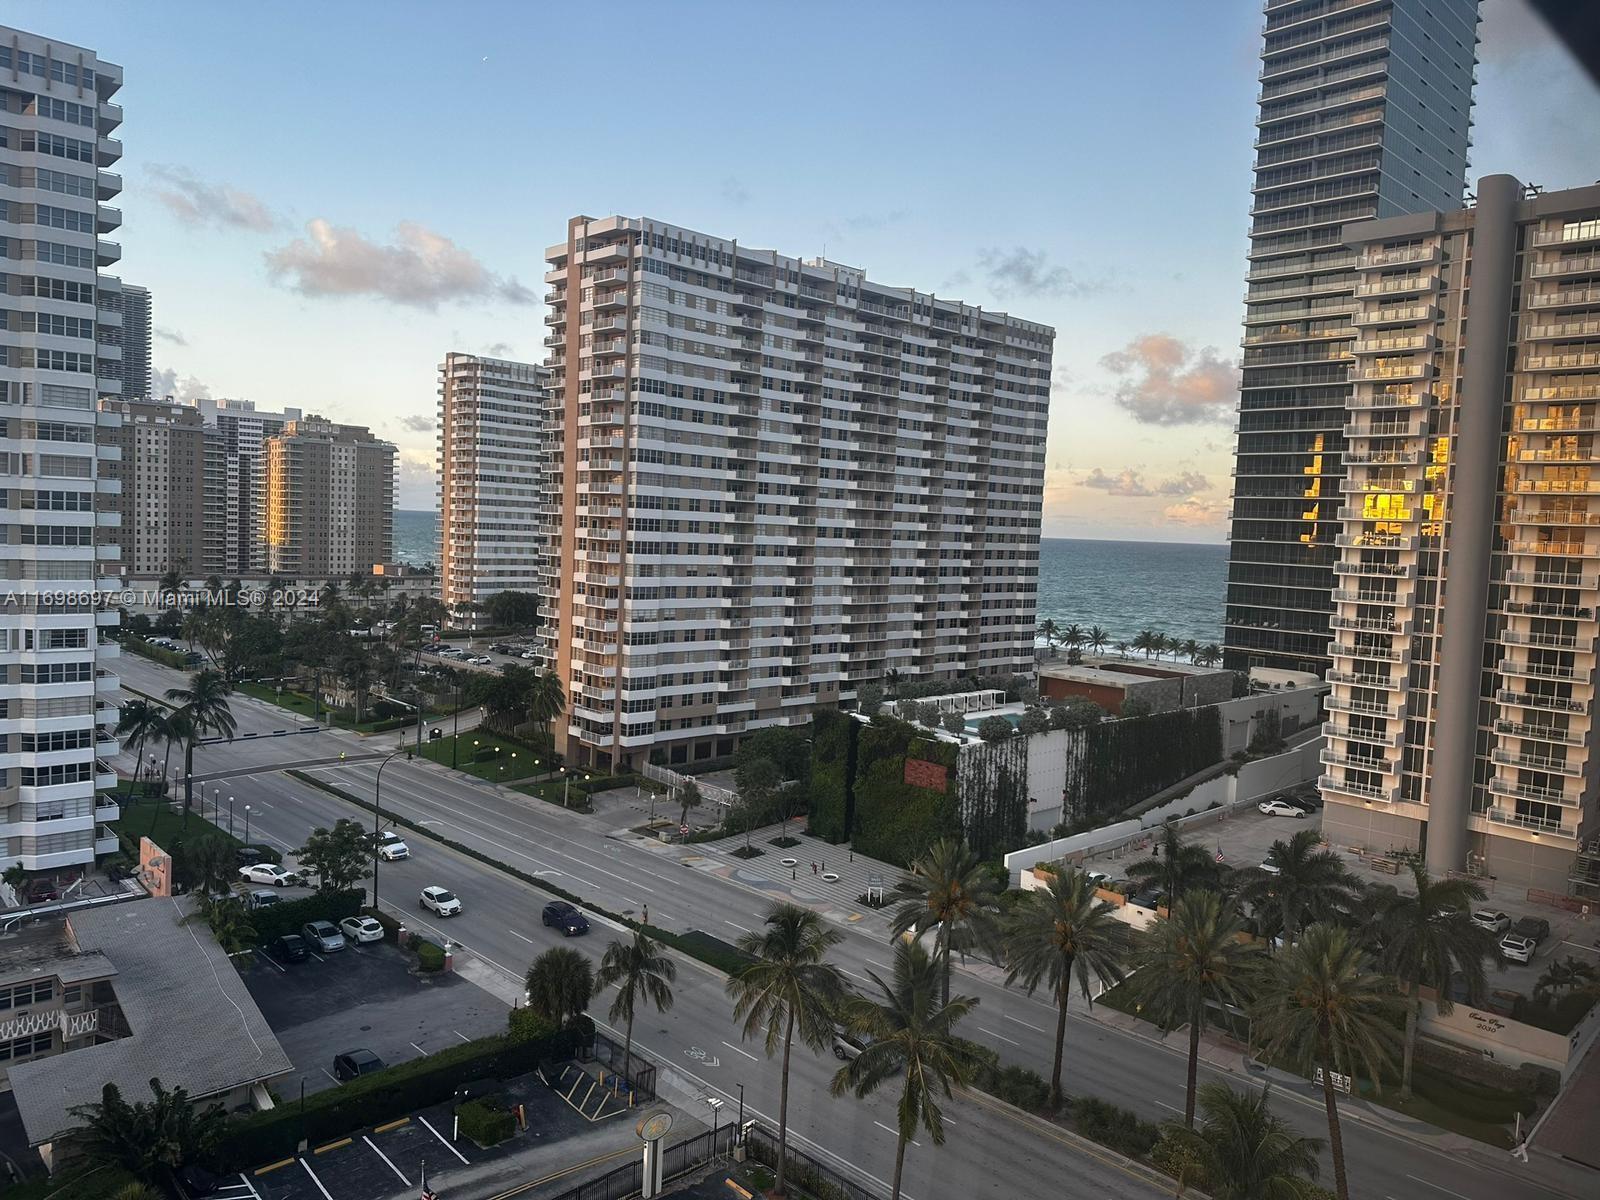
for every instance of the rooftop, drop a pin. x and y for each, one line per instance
(1118, 672)
(193, 1022)
(44, 950)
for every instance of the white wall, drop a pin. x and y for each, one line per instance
(1047, 775)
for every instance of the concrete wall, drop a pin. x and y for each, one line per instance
(1047, 776)
(1297, 708)
(1508, 1042)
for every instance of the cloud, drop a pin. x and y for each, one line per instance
(1025, 272)
(497, 350)
(869, 221)
(169, 335)
(734, 191)
(164, 382)
(1129, 482)
(419, 268)
(417, 423)
(1195, 511)
(200, 204)
(1511, 32)
(1166, 383)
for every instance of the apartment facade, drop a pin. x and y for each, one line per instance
(1365, 111)
(169, 469)
(136, 338)
(1472, 470)
(491, 414)
(242, 431)
(56, 501)
(329, 500)
(772, 480)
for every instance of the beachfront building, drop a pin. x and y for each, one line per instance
(772, 480)
(1365, 111)
(241, 508)
(170, 473)
(329, 500)
(1462, 716)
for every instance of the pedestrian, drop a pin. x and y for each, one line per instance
(813, 868)
(647, 914)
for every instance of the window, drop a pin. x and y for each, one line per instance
(26, 1047)
(21, 995)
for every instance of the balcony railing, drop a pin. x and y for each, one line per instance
(1537, 762)
(1366, 791)
(1538, 824)
(1534, 731)
(1564, 704)
(1352, 734)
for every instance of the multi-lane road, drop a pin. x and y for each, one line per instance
(988, 1153)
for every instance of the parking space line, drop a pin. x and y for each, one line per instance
(330, 1075)
(273, 961)
(419, 1050)
(461, 1035)
(442, 1141)
(315, 1180)
(249, 1187)
(385, 1158)
(318, 957)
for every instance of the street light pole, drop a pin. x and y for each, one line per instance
(377, 815)
(230, 816)
(246, 824)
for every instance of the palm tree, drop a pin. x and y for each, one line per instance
(1145, 640)
(1097, 638)
(146, 1138)
(1190, 649)
(1162, 644)
(913, 1039)
(358, 675)
(1122, 649)
(1051, 632)
(1310, 881)
(1321, 1005)
(1210, 654)
(950, 891)
(140, 722)
(1177, 865)
(1566, 975)
(688, 797)
(790, 988)
(547, 700)
(1426, 937)
(211, 864)
(1251, 1153)
(16, 878)
(1073, 635)
(640, 973)
(1059, 933)
(1193, 959)
(204, 704)
(559, 985)
(229, 922)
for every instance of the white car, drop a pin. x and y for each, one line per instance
(440, 902)
(1271, 868)
(1518, 948)
(268, 873)
(1492, 920)
(391, 848)
(530, 654)
(480, 660)
(361, 929)
(1280, 808)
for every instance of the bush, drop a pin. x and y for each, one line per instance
(430, 955)
(1019, 1086)
(1114, 1127)
(289, 916)
(1472, 1100)
(1178, 1155)
(485, 1121)
(485, 754)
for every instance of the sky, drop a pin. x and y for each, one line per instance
(325, 198)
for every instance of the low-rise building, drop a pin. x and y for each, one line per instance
(1112, 682)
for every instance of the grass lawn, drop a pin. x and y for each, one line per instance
(303, 705)
(516, 759)
(157, 820)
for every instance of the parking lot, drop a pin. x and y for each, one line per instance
(1244, 838)
(364, 998)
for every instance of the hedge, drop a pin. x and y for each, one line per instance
(275, 1133)
(896, 820)
(485, 1123)
(430, 955)
(290, 915)
(177, 659)
(833, 762)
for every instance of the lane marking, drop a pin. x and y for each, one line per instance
(523, 936)
(385, 1158)
(896, 1134)
(1025, 1024)
(442, 1142)
(1001, 1036)
(314, 1179)
(1436, 1187)
(737, 1050)
(736, 925)
(1169, 1107)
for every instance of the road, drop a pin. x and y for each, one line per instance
(987, 1154)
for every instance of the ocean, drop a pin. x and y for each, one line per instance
(1175, 588)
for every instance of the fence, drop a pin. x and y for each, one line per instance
(641, 1073)
(675, 781)
(815, 1176)
(678, 1160)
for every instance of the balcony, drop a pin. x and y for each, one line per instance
(1403, 314)
(1410, 370)
(1569, 235)
(1566, 674)
(1398, 257)
(1539, 825)
(1558, 487)
(1382, 654)
(1580, 264)
(1501, 786)
(1532, 731)
(1390, 398)
(1545, 608)
(1387, 429)
(1381, 569)
(106, 253)
(1332, 758)
(1584, 297)
(1391, 599)
(107, 218)
(1372, 625)
(1368, 737)
(1553, 579)
(1577, 361)
(1362, 791)
(1370, 486)
(1365, 708)
(1357, 679)
(1373, 541)
(1561, 454)
(1382, 458)
(1561, 549)
(1398, 286)
(1561, 330)
(1396, 345)
(1537, 762)
(1535, 700)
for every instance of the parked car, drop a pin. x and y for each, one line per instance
(530, 654)
(263, 899)
(563, 916)
(479, 660)
(1280, 808)
(1098, 879)
(1535, 929)
(361, 929)
(1149, 898)
(1517, 948)
(355, 1063)
(1492, 920)
(247, 856)
(391, 848)
(1271, 868)
(440, 901)
(324, 935)
(290, 947)
(268, 873)
(847, 1046)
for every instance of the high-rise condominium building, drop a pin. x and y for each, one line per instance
(329, 500)
(136, 334)
(56, 682)
(1463, 712)
(773, 480)
(490, 492)
(1365, 112)
(243, 431)
(169, 469)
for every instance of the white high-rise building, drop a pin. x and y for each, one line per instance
(490, 491)
(242, 439)
(56, 683)
(772, 480)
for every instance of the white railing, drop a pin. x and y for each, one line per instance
(674, 780)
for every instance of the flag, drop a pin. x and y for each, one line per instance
(1219, 851)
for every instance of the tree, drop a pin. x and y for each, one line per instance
(642, 975)
(950, 892)
(1033, 720)
(1146, 640)
(229, 922)
(356, 670)
(1210, 654)
(787, 749)
(210, 863)
(1079, 712)
(790, 989)
(1321, 1005)
(1190, 649)
(513, 610)
(757, 783)
(1426, 937)
(1122, 649)
(995, 729)
(908, 710)
(1177, 865)
(688, 797)
(547, 701)
(560, 984)
(508, 699)
(1060, 933)
(869, 698)
(340, 857)
(140, 723)
(1310, 882)
(1561, 977)
(1188, 962)
(1247, 1151)
(16, 878)
(1133, 707)
(1073, 635)
(204, 705)
(147, 1138)
(1050, 632)
(913, 1039)
(1097, 638)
